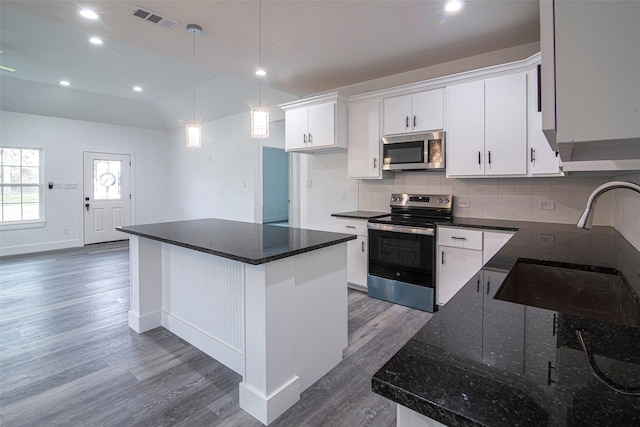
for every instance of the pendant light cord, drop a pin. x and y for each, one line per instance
(194, 78)
(260, 55)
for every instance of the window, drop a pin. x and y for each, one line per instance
(21, 184)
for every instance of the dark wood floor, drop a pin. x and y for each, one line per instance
(67, 356)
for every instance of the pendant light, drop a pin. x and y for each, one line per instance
(194, 130)
(260, 115)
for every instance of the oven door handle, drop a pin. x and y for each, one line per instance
(406, 229)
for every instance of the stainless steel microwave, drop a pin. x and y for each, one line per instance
(423, 151)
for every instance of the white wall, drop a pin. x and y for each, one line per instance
(219, 179)
(64, 141)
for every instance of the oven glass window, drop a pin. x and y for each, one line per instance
(402, 253)
(406, 152)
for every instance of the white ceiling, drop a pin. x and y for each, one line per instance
(307, 47)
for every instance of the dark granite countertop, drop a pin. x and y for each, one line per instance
(241, 241)
(360, 214)
(486, 361)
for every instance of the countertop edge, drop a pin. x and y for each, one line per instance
(251, 261)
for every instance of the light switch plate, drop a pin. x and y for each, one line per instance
(547, 206)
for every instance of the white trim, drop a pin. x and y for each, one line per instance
(318, 99)
(463, 77)
(17, 225)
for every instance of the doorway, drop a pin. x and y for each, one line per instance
(275, 186)
(107, 196)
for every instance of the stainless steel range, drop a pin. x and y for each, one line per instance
(402, 248)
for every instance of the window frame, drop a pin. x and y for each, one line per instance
(26, 223)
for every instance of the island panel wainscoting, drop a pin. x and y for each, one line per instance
(269, 302)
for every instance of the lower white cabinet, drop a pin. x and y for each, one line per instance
(459, 258)
(461, 253)
(357, 251)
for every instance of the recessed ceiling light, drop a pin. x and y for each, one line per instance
(96, 40)
(137, 88)
(89, 14)
(261, 72)
(453, 6)
(65, 83)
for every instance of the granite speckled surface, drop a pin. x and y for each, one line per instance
(484, 361)
(360, 214)
(241, 241)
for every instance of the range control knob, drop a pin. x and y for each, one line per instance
(446, 200)
(440, 200)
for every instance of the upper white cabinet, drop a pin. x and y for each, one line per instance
(365, 149)
(316, 124)
(543, 160)
(487, 127)
(417, 112)
(596, 94)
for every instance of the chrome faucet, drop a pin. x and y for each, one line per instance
(587, 216)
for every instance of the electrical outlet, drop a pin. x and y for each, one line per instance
(546, 238)
(547, 206)
(65, 231)
(463, 203)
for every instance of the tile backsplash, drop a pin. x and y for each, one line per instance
(626, 211)
(554, 199)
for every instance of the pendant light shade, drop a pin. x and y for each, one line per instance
(259, 122)
(194, 130)
(194, 135)
(259, 114)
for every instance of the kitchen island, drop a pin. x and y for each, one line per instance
(565, 354)
(267, 301)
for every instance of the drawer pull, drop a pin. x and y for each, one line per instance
(458, 238)
(350, 226)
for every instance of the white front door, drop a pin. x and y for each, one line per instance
(106, 196)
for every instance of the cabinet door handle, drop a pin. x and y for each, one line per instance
(375, 163)
(304, 137)
(458, 238)
(488, 286)
(533, 155)
(310, 139)
(350, 226)
(489, 157)
(479, 157)
(478, 285)
(362, 247)
(406, 122)
(549, 368)
(442, 257)
(414, 121)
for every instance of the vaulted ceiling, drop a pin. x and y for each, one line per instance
(307, 47)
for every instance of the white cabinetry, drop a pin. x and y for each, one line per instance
(357, 251)
(459, 258)
(595, 94)
(461, 253)
(542, 159)
(487, 127)
(365, 149)
(417, 112)
(316, 124)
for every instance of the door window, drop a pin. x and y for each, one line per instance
(106, 180)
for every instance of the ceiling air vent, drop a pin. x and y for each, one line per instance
(153, 17)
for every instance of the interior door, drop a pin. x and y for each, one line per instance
(106, 196)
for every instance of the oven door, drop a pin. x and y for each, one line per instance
(401, 267)
(403, 256)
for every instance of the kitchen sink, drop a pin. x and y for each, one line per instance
(595, 293)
